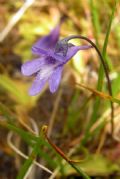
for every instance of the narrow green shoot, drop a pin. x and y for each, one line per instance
(100, 77)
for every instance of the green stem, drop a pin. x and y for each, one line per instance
(80, 171)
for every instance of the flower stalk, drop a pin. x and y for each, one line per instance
(66, 45)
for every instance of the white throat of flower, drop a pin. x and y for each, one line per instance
(47, 71)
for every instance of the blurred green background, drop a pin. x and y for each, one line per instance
(78, 119)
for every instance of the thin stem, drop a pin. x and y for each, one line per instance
(80, 171)
(60, 152)
(105, 70)
(54, 112)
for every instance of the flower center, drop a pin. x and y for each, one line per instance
(48, 68)
(50, 60)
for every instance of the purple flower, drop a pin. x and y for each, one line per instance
(49, 66)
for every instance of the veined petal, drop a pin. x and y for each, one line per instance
(55, 78)
(32, 66)
(47, 42)
(37, 85)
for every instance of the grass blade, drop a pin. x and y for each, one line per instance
(100, 76)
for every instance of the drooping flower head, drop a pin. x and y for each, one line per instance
(54, 54)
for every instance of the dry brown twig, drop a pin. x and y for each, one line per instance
(54, 112)
(9, 140)
(16, 17)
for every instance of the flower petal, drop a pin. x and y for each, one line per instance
(72, 50)
(55, 79)
(39, 51)
(37, 85)
(46, 42)
(32, 66)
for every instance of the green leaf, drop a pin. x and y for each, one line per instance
(95, 165)
(115, 85)
(25, 167)
(100, 76)
(16, 91)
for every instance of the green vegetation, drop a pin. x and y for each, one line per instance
(79, 140)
